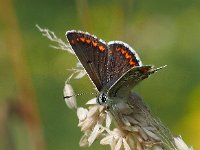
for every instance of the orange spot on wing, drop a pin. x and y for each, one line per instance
(123, 51)
(102, 48)
(82, 39)
(94, 43)
(118, 49)
(88, 41)
(131, 62)
(127, 56)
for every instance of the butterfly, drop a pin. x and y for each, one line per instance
(114, 68)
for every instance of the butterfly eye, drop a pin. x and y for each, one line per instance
(102, 98)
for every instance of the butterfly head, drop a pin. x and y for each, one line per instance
(102, 98)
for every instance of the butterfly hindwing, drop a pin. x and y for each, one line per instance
(130, 79)
(92, 53)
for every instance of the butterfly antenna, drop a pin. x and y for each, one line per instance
(69, 96)
(155, 70)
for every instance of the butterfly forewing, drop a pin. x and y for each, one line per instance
(93, 55)
(121, 58)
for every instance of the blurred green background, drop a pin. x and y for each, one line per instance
(33, 114)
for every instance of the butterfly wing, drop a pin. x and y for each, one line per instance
(131, 78)
(93, 55)
(121, 58)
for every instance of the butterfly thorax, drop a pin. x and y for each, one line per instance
(110, 102)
